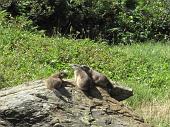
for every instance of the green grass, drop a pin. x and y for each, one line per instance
(26, 56)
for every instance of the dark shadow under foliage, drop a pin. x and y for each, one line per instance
(116, 21)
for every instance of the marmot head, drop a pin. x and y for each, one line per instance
(60, 74)
(63, 74)
(75, 66)
(85, 68)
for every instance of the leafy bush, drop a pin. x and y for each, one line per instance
(116, 21)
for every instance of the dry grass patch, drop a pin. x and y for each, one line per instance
(157, 113)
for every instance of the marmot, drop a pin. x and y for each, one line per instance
(55, 81)
(82, 79)
(98, 78)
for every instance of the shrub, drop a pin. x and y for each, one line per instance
(116, 21)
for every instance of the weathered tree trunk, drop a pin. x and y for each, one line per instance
(33, 105)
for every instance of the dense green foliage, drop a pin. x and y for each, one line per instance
(117, 21)
(29, 55)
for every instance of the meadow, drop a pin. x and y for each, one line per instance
(145, 67)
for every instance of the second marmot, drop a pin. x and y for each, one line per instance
(98, 78)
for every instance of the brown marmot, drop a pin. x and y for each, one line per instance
(98, 78)
(82, 79)
(55, 81)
